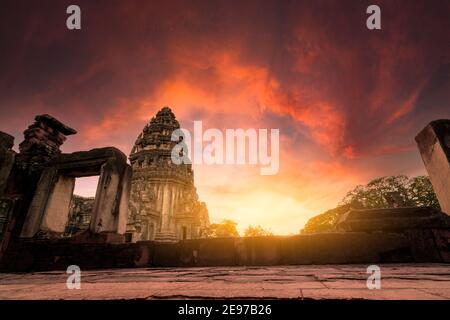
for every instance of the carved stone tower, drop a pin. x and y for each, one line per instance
(164, 204)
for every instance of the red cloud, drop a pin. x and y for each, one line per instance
(343, 97)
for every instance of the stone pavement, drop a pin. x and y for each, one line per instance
(399, 281)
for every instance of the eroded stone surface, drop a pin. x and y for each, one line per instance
(79, 214)
(434, 146)
(405, 281)
(164, 203)
(392, 219)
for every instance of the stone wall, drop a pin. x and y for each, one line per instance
(327, 248)
(7, 156)
(36, 193)
(36, 187)
(79, 214)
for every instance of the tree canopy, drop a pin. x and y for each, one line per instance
(227, 228)
(256, 231)
(414, 192)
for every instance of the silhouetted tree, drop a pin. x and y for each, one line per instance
(421, 193)
(415, 192)
(372, 195)
(227, 228)
(257, 231)
(325, 222)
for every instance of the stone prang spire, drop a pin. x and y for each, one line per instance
(164, 204)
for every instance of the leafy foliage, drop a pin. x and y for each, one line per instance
(421, 193)
(256, 231)
(227, 228)
(325, 222)
(415, 192)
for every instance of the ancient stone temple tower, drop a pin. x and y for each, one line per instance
(164, 204)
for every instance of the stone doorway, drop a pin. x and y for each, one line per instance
(81, 205)
(184, 233)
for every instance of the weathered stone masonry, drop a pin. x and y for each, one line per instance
(434, 145)
(164, 204)
(38, 182)
(34, 201)
(79, 215)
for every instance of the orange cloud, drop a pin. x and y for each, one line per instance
(347, 101)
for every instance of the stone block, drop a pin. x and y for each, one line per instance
(188, 253)
(6, 141)
(442, 240)
(7, 157)
(216, 252)
(164, 254)
(89, 163)
(109, 213)
(423, 245)
(42, 140)
(258, 250)
(9, 206)
(392, 219)
(55, 124)
(434, 146)
(56, 212)
(125, 188)
(36, 210)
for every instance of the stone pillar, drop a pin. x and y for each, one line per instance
(124, 200)
(110, 210)
(56, 213)
(434, 145)
(172, 225)
(48, 212)
(6, 159)
(43, 139)
(165, 209)
(166, 234)
(7, 202)
(38, 204)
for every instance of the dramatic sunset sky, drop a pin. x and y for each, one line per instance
(348, 101)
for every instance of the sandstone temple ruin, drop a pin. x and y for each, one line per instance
(164, 204)
(147, 214)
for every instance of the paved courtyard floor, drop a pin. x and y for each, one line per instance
(402, 281)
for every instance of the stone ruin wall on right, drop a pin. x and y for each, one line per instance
(434, 146)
